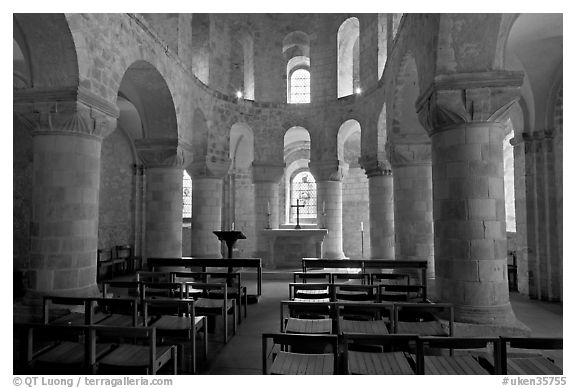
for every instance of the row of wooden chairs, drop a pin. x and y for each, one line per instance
(207, 302)
(356, 292)
(175, 319)
(360, 277)
(367, 317)
(90, 349)
(116, 261)
(404, 354)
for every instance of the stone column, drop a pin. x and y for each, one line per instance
(163, 159)
(414, 228)
(328, 175)
(67, 139)
(539, 255)
(464, 116)
(381, 197)
(207, 180)
(266, 176)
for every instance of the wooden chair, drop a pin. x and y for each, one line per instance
(124, 252)
(389, 278)
(351, 278)
(232, 279)
(181, 323)
(318, 277)
(516, 361)
(369, 354)
(153, 276)
(459, 363)
(213, 307)
(375, 318)
(132, 358)
(59, 310)
(105, 261)
(300, 354)
(422, 319)
(309, 310)
(121, 289)
(402, 293)
(317, 292)
(57, 349)
(355, 292)
(116, 311)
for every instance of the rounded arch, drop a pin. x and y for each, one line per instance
(348, 56)
(348, 134)
(296, 43)
(48, 46)
(405, 126)
(144, 86)
(241, 146)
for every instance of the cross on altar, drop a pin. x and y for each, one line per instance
(297, 206)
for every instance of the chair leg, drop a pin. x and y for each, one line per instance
(225, 318)
(234, 318)
(205, 340)
(193, 351)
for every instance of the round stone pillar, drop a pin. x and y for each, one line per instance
(266, 176)
(67, 140)
(468, 189)
(328, 175)
(206, 216)
(164, 212)
(381, 197)
(414, 228)
(207, 183)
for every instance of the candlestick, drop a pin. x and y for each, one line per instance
(232, 225)
(323, 207)
(268, 206)
(361, 226)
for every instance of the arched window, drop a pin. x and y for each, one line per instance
(300, 86)
(186, 195)
(303, 188)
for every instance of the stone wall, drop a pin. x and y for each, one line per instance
(355, 211)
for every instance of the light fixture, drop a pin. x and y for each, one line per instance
(239, 94)
(358, 90)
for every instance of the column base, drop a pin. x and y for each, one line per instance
(485, 315)
(513, 329)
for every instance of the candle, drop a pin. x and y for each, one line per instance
(268, 206)
(232, 225)
(361, 226)
(323, 207)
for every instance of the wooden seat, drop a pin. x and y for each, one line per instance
(351, 278)
(125, 252)
(422, 319)
(128, 358)
(378, 354)
(182, 323)
(308, 326)
(308, 291)
(308, 310)
(401, 293)
(232, 279)
(121, 289)
(214, 307)
(390, 278)
(460, 363)
(322, 360)
(71, 311)
(516, 362)
(116, 311)
(113, 265)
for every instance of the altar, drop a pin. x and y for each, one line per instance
(287, 247)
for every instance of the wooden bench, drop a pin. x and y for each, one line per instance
(529, 363)
(389, 356)
(155, 264)
(285, 361)
(458, 363)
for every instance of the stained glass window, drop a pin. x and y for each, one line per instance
(186, 195)
(300, 86)
(303, 189)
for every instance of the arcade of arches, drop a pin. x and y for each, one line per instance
(436, 136)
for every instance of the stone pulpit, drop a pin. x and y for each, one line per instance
(287, 247)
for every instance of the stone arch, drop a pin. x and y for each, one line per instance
(350, 128)
(241, 146)
(348, 56)
(47, 41)
(144, 86)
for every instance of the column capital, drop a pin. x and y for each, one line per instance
(209, 168)
(454, 99)
(374, 167)
(163, 152)
(267, 171)
(328, 170)
(66, 111)
(402, 155)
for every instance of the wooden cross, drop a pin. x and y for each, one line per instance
(297, 206)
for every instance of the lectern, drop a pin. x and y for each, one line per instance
(230, 236)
